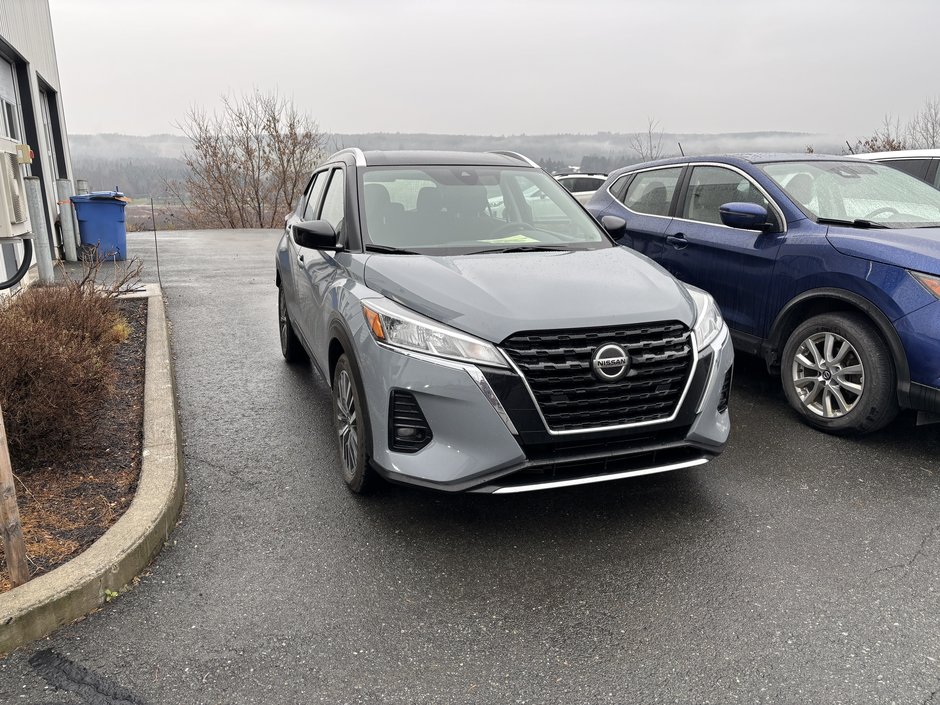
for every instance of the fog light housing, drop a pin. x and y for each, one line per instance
(408, 429)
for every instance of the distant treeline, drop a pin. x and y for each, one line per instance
(136, 177)
(141, 165)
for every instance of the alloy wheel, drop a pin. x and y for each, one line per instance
(828, 375)
(347, 423)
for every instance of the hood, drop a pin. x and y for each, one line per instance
(913, 248)
(495, 295)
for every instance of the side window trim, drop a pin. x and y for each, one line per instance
(324, 176)
(336, 169)
(679, 206)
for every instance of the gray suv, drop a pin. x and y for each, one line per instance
(492, 349)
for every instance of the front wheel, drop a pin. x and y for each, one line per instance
(349, 415)
(838, 374)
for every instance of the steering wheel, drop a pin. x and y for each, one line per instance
(887, 210)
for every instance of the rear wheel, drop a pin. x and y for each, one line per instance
(291, 348)
(349, 416)
(838, 374)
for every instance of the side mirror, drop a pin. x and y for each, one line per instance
(614, 224)
(746, 216)
(316, 234)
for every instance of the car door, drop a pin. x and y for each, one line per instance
(645, 203)
(305, 210)
(733, 265)
(319, 267)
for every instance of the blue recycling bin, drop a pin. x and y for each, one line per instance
(101, 223)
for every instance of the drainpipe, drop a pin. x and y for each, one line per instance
(67, 220)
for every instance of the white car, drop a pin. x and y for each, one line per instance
(919, 163)
(581, 186)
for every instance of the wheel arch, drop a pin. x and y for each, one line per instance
(341, 343)
(830, 300)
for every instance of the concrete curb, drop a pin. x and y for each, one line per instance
(35, 609)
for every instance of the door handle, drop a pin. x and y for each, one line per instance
(678, 241)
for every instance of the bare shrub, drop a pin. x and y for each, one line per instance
(56, 348)
(248, 163)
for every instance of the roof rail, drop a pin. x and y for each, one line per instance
(515, 155)
(355, 151)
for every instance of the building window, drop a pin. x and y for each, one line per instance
(10, 127)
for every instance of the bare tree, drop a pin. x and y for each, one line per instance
(924, 128)
(648, 146)
(248, 163)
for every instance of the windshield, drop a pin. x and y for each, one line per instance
(447, 210)
(851, 190)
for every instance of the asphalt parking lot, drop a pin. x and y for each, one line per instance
(796, 568)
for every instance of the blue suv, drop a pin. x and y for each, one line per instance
(827, 267)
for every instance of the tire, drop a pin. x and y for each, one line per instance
(838, 374)
(351, 421)
(291, 348)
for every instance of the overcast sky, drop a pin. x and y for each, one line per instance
(489, 67)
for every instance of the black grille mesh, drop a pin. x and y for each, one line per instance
(557, 366)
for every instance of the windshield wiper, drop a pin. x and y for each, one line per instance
(857, 223)
(521, 248)
(388, 250)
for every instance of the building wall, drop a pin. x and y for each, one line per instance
(27, 42)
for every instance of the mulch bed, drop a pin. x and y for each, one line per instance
(67, 505)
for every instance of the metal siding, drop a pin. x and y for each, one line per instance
(26, 26)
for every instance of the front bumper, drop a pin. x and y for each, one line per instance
(489, 437)
(920, 336)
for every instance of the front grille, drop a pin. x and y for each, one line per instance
(408, 430)
(557, 366)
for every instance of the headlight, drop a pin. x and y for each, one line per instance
(708, 321)
(397, 326)
(930, 282)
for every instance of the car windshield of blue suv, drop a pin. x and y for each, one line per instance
(858, 194)
(453, 210)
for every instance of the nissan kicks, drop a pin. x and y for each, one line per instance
(492, 348)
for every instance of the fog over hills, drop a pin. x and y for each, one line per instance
(141, 165)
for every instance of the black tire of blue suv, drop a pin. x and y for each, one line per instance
(291, 348)
(877, 405)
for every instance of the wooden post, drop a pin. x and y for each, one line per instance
(13, 545)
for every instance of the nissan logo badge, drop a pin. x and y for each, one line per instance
(610, 362)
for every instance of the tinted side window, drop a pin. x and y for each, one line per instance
(569, 184)
(651, 191)
(333, 210)
(583, 184)
(316, 188)
(710, 187)
(914, 167)
(617, 188)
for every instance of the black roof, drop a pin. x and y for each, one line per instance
(439, 158)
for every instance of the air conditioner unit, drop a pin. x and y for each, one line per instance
(14, 214)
